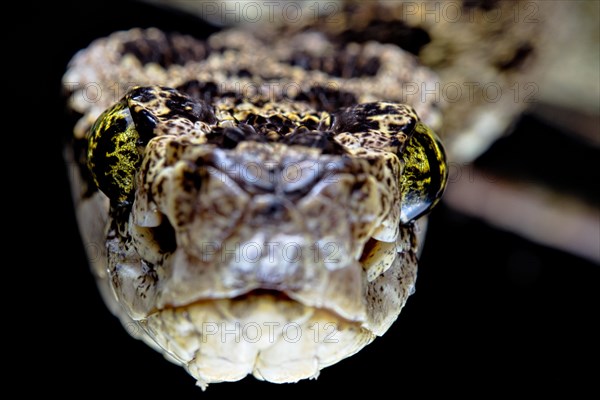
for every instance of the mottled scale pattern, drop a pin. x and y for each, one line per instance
(240, 183)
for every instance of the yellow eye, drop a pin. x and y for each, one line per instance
(114, 154)
(425, 173)
(119, 136)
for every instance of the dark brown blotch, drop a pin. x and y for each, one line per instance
(165, 49)
(342, 64)
(180, 105)
(326, 98)
(411, 39)
(322, 140)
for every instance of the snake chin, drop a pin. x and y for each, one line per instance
(263, 333)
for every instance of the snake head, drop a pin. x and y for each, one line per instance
(231, 211)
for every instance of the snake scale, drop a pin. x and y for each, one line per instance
(256, 199)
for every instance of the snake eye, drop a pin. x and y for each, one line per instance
(114, 152)
(119, 136)
(425, 173)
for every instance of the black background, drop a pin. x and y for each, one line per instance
(492, 312)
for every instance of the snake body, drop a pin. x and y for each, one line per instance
(254, 202)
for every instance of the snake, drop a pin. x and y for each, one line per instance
(255, 202)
